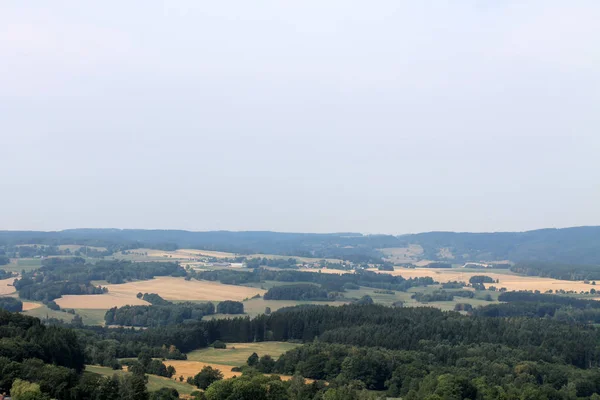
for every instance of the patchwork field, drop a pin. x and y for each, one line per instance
(169, 288)
(507, 280)
(190, 255)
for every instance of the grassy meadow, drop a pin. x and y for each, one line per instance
(154, 382)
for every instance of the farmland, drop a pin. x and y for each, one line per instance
(191, 255)
(506, 279)
(6, 286)
(169, 288)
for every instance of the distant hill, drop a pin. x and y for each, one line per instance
(579, 245)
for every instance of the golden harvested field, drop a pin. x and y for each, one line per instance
(508, 281)
(172, 288)
(191, 368)
(99, 301)
(6, 286)
(168, 287)
(27, 305)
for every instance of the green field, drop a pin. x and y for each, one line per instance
(237, 354)
(20, 264)
(91, 316)
(154, 382)
(43, 312)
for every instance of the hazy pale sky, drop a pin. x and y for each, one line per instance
(385, 116)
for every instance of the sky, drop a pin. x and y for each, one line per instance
(301, 116)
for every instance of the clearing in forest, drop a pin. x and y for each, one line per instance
(236, 354)
(154, 382)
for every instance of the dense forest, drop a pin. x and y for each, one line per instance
(579, 245)
(11, 304)
(230, 307)
(6, 274)
(414, 353)
(299, 291)
(47, 362)
(158, 315)
(330, 282)
(571, 272)
(537, 305)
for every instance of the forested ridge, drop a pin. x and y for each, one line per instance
(570, 272)
(577, 245)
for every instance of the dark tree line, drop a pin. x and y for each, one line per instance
(537, 305)
(230, 307)
(158, 315)
(481, 279)
(330, 282)
(439, 265)
(298, 291)
(271, 262)
(570, 272)
(5, 274)
(11, 304)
